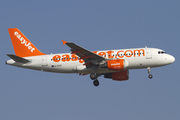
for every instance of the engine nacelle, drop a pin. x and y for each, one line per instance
(118, 64)
(118, 76)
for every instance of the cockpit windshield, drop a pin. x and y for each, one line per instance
(161, 52)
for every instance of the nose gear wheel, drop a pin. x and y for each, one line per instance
(149, 71)
(150, 76)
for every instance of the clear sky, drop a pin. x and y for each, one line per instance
(95, 25)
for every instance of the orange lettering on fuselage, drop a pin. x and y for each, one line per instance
(120, 54)
(128, 51)
(101, 53)
(95, 52)
(139, 51)
(107, 54)
(110, 54)
(81, 61)
(56, 58)
(65, 58)
(74, 57)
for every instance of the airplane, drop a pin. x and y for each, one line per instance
(112, 64)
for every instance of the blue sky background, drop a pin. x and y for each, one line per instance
(95, 25)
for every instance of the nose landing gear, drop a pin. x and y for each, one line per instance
(149, 71)
(94, 77)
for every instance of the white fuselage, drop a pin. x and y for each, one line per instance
(112, 64)
(70, 63)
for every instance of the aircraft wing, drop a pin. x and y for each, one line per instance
(83, 53)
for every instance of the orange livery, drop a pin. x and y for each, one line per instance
(112, 64)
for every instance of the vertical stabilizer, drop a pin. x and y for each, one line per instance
(22, 46)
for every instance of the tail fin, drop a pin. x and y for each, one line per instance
(22, 46)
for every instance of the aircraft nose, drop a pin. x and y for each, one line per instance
(171, 59)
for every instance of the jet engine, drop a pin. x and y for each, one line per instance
(118, 76)
(118, 64)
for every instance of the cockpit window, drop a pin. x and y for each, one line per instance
(161, 52)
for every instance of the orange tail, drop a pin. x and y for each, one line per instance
(22, 46)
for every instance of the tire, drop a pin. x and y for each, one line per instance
(150, 76)
(93, 76)
(96, 83)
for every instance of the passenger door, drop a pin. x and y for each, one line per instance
(148, 53)
(44, 62)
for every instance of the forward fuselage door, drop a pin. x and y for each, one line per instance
(148, 53)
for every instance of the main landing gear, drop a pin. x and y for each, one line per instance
(149, 71)
(94, 77)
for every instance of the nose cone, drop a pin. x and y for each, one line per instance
(171, 59)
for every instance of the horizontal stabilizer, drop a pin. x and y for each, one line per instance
(18, 59)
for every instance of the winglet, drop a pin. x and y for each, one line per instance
(64, 42)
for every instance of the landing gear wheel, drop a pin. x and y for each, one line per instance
(150, 76)
(149, 71)
(93, 76)
(96, 83)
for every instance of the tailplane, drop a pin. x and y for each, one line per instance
(18, 59)
(22, 46)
